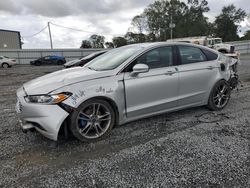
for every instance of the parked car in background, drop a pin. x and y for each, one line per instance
(49, 60)
(84, 60)
(123, 85)
(6, 62)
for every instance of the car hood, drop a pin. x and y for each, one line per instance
(69, 63)
(58, 79)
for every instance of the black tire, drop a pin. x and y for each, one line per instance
(75, 122)
(5, 65)
(217, 99)
(37, 63)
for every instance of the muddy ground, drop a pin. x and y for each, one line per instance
(190, 148)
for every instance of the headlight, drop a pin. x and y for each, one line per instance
(47, 99)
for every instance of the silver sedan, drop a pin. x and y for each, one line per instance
(123, 85)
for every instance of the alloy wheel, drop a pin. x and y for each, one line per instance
(221, 95)
(93, 120)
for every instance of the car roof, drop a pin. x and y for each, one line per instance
(155, 44)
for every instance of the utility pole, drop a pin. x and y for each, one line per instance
(50, 37)
(171, 25)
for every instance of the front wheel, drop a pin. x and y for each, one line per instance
(5, 65)
(92, 120)
(219, 96)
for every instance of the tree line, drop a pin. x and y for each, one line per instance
(186, 19)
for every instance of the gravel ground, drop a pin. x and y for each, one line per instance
(190, 148)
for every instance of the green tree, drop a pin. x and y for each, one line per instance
(109, 44)
(157, 15)
(86, 44)
(140, 23)
(196, 23)
(119, 41)
(226, 23)
(246, 36)
(135, 37)
(188, 18)
(97, 41)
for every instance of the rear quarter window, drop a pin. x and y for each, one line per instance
(190, 54)
(210, 55)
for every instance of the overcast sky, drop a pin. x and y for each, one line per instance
(106, 17)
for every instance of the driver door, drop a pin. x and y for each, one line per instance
(156, 90)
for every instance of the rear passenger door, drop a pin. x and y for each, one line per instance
(197, 71)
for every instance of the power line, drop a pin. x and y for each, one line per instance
(65, 27)
(80, 30)
(29, 36)
(71, 28)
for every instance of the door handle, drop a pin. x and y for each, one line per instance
(210, 67)
(170, 73)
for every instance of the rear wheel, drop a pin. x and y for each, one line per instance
(220, 95)
(92, 120)
(5, 65)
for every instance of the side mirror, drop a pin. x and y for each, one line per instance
(139, 68)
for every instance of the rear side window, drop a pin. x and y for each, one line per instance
(191, 54)
(210, 55)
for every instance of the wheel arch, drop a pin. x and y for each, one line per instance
(112, 103)
(64, 130)
(64, 127)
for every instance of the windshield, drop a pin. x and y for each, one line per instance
(113, 58)
(217, 41)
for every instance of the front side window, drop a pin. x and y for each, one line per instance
(191, 54)
(157, 58)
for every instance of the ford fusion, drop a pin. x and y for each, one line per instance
(123, 85)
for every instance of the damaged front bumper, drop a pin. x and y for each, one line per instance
(46, 119)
